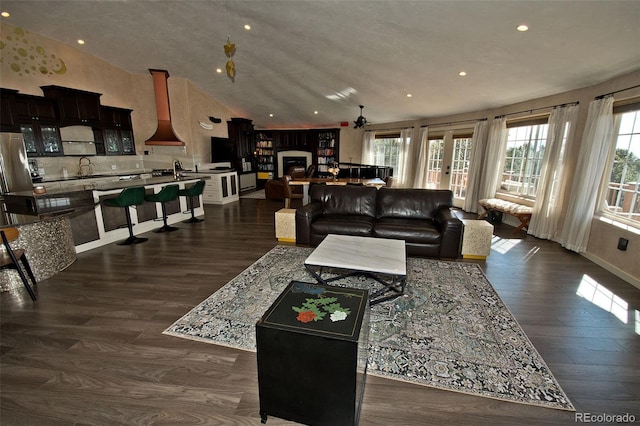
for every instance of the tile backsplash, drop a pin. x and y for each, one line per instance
(53, 168)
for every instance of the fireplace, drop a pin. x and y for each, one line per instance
(287, 159)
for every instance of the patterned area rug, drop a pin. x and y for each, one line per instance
(449, 331)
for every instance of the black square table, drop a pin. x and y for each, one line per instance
(312, 348)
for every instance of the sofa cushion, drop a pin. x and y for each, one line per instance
(343, 225)
(417, 231)
(345, 200)
(412, 203)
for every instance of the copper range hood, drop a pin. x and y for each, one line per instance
(164, 135)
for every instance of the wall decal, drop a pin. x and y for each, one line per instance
(26, 57)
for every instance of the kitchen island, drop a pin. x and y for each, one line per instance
(93, 224)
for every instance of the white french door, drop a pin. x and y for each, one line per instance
(448, 164)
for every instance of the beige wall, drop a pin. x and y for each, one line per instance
(188, 103)
(603, 241)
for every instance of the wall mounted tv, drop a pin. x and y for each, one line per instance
(223, 150)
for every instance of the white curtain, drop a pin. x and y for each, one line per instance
(496, 143)
(368, 138)
(478, 143)
(422, 168)
(597, 137)
(404, 173)
(548, 207)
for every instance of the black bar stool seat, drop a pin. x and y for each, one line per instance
(166, 194)
(133, 196)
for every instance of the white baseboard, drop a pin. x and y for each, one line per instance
(634, 281)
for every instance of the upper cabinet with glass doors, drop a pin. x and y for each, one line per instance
(39, 126)
(117, 134)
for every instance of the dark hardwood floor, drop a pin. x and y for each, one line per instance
(91, 351)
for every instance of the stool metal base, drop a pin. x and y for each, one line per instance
(166, 228)
(132, 240)
(193, 220)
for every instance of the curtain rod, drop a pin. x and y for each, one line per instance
(538, 109)
(388, 130)
(617, 91)
(454, 122)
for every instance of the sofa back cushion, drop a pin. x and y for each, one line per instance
(412, 203)
(345, 199)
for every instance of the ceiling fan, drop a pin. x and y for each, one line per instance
(360, 121)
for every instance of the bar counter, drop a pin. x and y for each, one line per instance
(94, 225)
(49, 247)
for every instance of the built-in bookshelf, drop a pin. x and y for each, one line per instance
(264, 156)
(326, 150)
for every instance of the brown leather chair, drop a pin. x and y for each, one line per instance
(274, 190)
(288, 193)
(311, 171)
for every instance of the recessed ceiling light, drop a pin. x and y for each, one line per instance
(462, 73)
(247, 27)
(219, 70)
(315, 112)
(522, 28)
(5, 14)
(270, 115)
(409, 95)
(80, 41)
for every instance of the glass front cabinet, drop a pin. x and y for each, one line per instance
(116, 137)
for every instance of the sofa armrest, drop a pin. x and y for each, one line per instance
(305, 216)
(451, 233)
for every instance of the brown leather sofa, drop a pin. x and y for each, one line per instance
(423, 218)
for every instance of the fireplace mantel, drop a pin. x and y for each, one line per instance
(292, 153)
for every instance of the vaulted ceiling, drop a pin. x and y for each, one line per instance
(311, 63)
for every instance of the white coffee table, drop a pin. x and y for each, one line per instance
(382, 259)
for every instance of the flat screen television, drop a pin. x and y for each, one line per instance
(223, 150)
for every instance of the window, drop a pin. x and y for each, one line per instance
(386, 151)
(523, 159)
(622, 198)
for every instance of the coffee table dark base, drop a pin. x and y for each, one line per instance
(391, 288)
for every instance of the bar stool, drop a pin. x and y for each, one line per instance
(133, 196)
(194, 190)
(166, 194)
(10, 258)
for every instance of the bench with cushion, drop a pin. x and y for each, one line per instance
(522, 212)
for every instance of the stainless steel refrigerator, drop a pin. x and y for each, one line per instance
(15, 174)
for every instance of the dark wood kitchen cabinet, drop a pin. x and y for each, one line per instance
(34, 108)
(38, 122)
(8, 120)
(241, 132)
(115, 136)
(76, 107)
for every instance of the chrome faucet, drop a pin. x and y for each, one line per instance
(177, 169)
(85, 167)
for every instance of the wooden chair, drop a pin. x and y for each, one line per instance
(288, 194)
(10, 259)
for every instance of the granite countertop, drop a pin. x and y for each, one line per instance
(44, 181)
(109, 186)
(156, 180)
